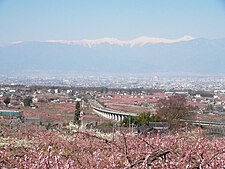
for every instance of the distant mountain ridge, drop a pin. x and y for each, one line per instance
(140, 41)
(141, 55)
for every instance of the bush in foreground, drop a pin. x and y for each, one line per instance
(143, 119)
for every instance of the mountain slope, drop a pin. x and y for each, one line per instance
(194, 55)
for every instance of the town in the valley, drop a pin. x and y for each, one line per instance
(53, 106)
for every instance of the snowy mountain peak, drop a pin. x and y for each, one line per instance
(131, 43)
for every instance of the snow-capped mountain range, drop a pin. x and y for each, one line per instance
(140, 55)
(140, 41)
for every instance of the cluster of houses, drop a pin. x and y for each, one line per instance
(17, 94)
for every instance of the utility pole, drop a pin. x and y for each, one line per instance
(129, 124)
(113, 131)
(132, 127)
(25, 121)
(10, 121)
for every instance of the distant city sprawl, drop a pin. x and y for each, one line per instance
(158, 81)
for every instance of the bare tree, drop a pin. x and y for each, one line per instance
(173, 109)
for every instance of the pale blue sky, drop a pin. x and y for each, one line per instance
(29, 20)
